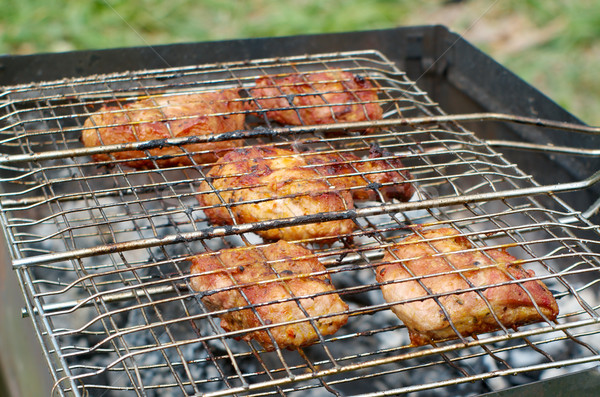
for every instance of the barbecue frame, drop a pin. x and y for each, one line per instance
(422, 52)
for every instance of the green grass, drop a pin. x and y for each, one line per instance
(563, 64)
(40, 26)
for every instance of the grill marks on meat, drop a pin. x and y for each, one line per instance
(280, 185)
(361, 178)
(468, 311)
(242, 277)
(317, 98)
(285, 184)
(164, 117)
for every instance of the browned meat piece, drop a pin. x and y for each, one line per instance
(378, 174)
(163, 117)
(317, 98)
(282, 185)
(467, 311)
(245, 273)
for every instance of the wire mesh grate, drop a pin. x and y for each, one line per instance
(103, 250)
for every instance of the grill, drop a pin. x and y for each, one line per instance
(102, 250)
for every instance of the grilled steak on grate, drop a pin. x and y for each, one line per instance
(317, 98)
(472, 312)
(236, 278)
(276, 183)
(160, 117)
(279, 183)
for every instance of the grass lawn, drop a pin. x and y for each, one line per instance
(553, 44)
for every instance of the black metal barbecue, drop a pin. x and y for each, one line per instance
(101, 251)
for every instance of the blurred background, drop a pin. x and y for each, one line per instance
(552, 44)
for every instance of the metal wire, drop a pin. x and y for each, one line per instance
(102, 250)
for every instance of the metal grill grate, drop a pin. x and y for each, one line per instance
(103, 252)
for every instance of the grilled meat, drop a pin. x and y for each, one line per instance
(468, 312)
(362, 177)
(280, 185)
(242, 277)
(160, 117)
(317, 98)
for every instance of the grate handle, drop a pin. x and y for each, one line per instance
(270, 132)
